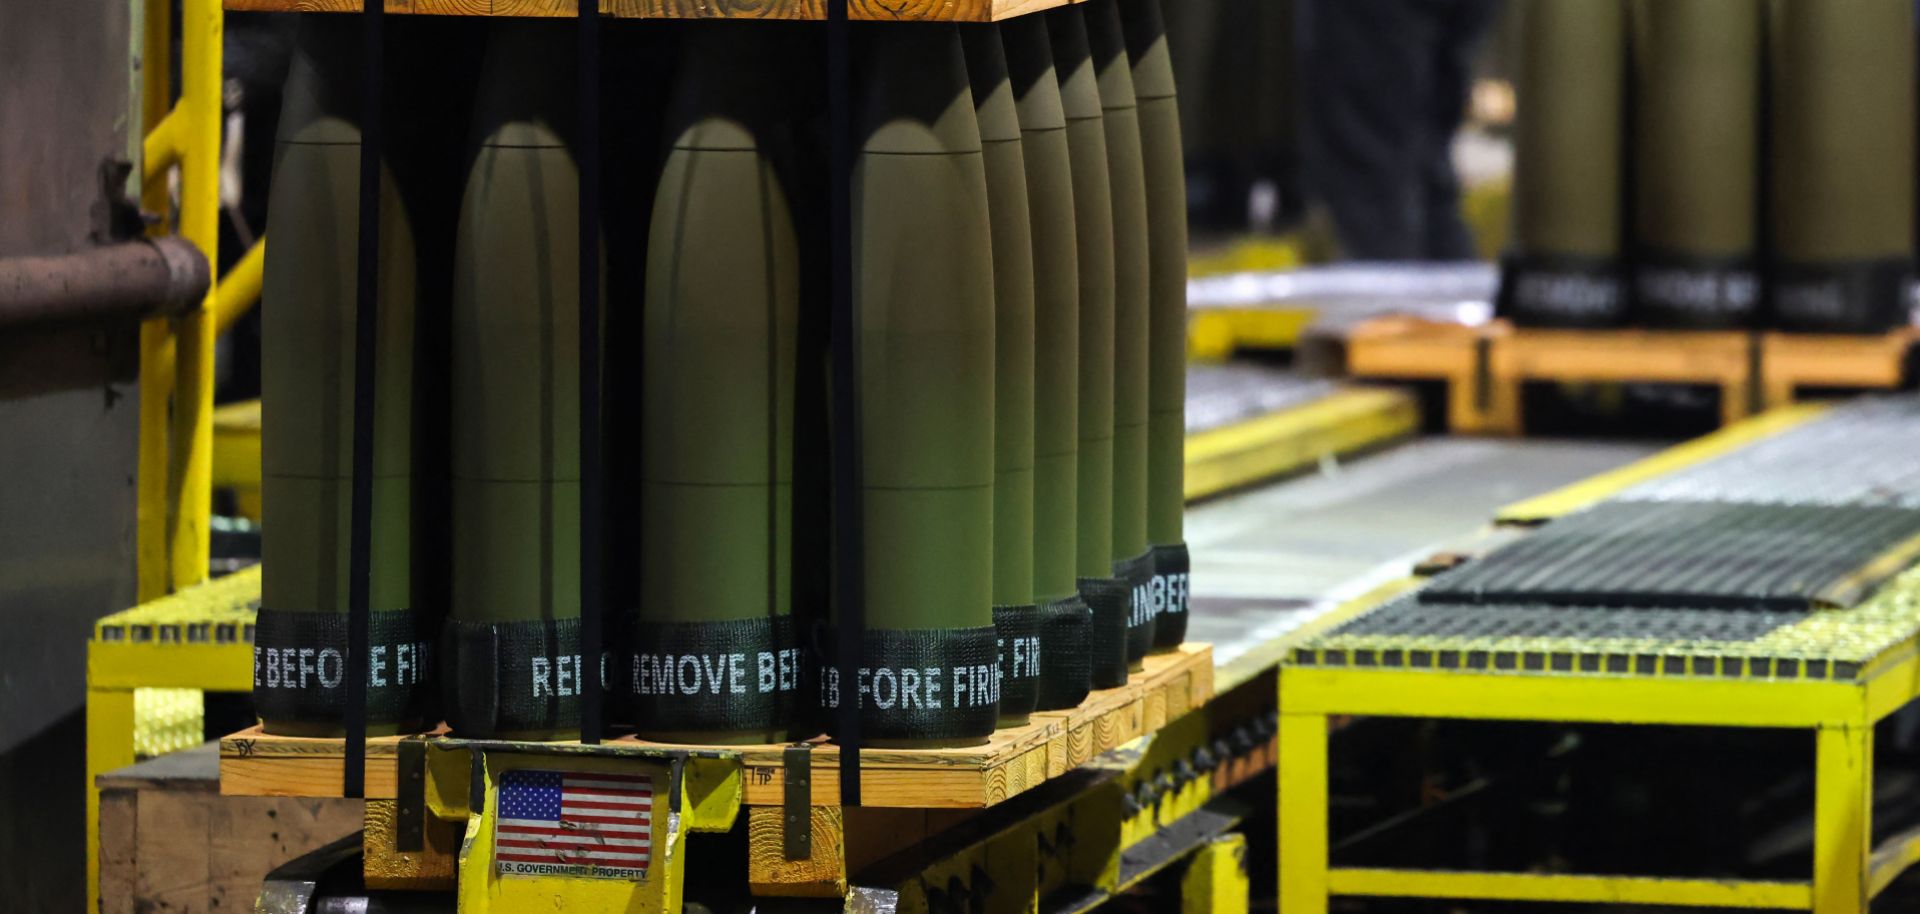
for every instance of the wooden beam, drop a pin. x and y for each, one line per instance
(1014, 760)
(813, 10)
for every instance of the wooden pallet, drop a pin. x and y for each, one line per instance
(1792, 361)
(1014, 760)
(870, 10)
(1484, 367)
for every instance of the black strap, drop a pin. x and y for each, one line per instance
(299, 668)
(1021, 658)
(1693, 292)
(592, 514)
(365, 337)
(1868, 296)
(504, 678)
(1171, 565)
(1553, 290)
(1110, 600)
(1136, 574)
(707, 677)
(919, 684)
(1068, 675)
(849, 548)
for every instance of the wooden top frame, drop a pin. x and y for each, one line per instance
(860, 10)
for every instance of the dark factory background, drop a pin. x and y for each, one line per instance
(1505, 171)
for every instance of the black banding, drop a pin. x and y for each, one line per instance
(1171, 565)
(1136, 574)
(1110, 600)
(1695, 293)
(1022, 658)
(504, 678)
(847, 473)
(366, 301)
(1545, 290)
(692, 677)
(592, 479)
(1067, 676)
(300, 671)
(1872, 296)
(919, 684)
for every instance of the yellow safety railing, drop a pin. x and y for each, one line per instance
(176, 354)
(174, 488)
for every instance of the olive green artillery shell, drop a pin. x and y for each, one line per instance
(1126, 173)
(923, 295)
(307, 370)
(1056, 302)
(1696, 114)
(1013, 389)
(1093, 224)
(1567, 173)
(1160, 147)
(1842, 139)
(722, 304)
(516, 343)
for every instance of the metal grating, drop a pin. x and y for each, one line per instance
(220, 611)
(1413, 617)
(1864, 452)
(1409, 633)
(1694, 555)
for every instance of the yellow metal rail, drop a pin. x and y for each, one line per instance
(1587, 492)
(174, 495)
(1291, 439)
(176, 354)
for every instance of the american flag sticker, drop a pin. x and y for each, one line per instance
(574, 823)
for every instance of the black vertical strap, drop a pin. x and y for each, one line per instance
(587, 82)
(366, 302)
(848, 563)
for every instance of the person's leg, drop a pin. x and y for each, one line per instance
(1459, 28)
(1366, 69)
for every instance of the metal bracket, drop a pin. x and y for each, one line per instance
(410, 799)
(1482, 373)
(476, 781)
(796, 820)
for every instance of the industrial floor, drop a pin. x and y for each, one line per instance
(1269, 559)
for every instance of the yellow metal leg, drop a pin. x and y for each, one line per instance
(1216, 880)
(240, 288)
(151, 516)
(482, 889)
(156, 336)
(109, 746)
(1302, 782)
(1843, 818)
(201, 28)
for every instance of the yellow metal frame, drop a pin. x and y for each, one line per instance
(176, 354)
(174, 478)
(1214, 334)
(1293, 439)
(1848, 871)
(236, 454)
(159, 647)
(1216, 881)
(692, 793)
(1078, 841)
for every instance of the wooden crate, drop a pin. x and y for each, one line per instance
(1485, 367)
(169, 842)
(1792, 361)
(1013, 761)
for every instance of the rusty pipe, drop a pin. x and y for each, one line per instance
(133, 279)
